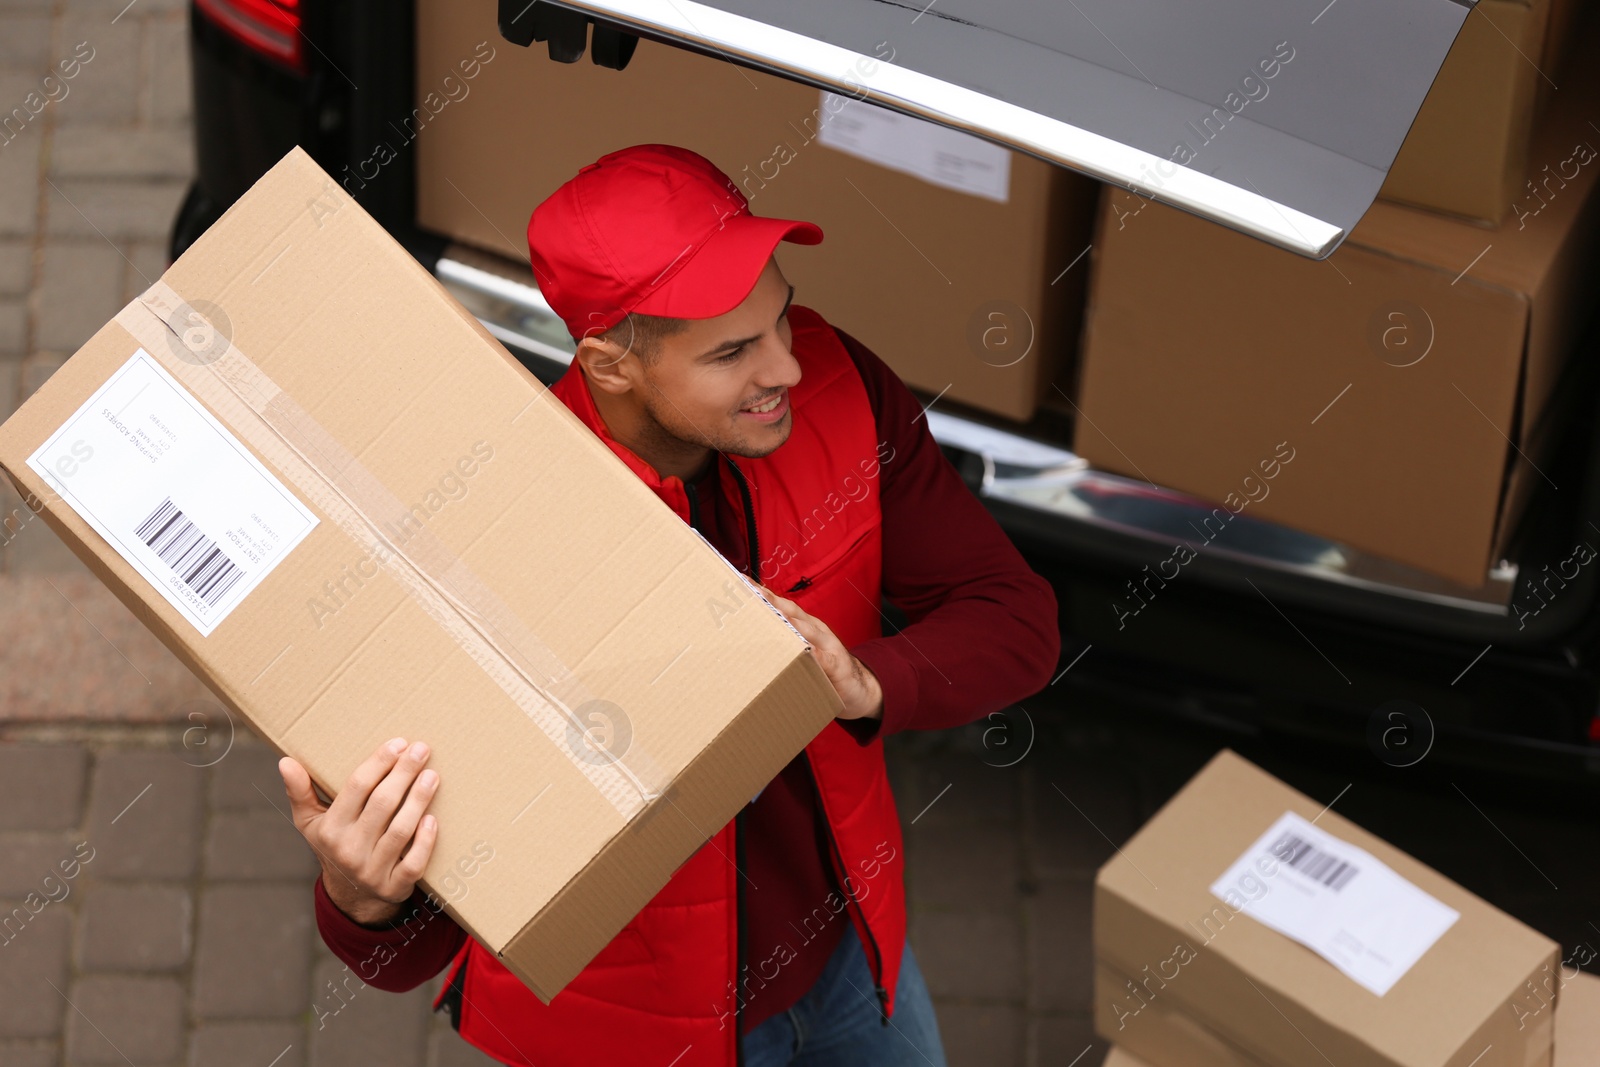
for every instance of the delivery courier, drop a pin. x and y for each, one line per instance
(806, 462)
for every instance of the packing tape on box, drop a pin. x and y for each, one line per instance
(334, 480)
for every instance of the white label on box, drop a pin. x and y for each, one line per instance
(934, 153)
(1340, 901)
(173, 491)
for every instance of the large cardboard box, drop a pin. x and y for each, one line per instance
(1476, 990)
(343, 505)
(1578, 1022)
(1391, 397)
(1467, 151)
(1121, 1057)
(1181, 1053)
(946, 255)
(1171, 1039)
(1157, 1034)
(1564, 40)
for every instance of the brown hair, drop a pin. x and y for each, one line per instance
(642, 334)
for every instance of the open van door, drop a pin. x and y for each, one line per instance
(1277, 118)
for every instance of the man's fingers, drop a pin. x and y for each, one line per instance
(303, 803)
(808, 626)
(794, 611)
(347, 806)
(391, 792)
(406, 820)
(776, 599)
(415, 861)
(374, 839)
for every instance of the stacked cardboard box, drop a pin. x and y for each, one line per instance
(1467, 151)
(1577, 1035)
(1247, 925)
(1578, 1021)
(947, 255)
(1392, 398)
(321, 483)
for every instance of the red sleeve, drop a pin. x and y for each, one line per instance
(982, 629)
(410, 950)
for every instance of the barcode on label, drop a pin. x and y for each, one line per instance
(1304, 857)
(193, 556)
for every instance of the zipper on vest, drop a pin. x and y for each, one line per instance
(738, 952)
(801, 584)
(844, 881)
(693, 494)
(738, 818)
(753, 563)
(451, 1002)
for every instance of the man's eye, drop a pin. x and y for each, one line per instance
(731, 356)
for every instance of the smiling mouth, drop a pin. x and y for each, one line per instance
(766, 406)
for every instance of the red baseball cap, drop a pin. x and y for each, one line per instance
(655, 229)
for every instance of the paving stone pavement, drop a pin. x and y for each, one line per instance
(155, 904)
(155, 908)
(95, 155)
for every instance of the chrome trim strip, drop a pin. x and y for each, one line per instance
(976, 113)
(496, 284)
(1000, 446)
(1028, 473)
(515, 339)
(510, 308)
(1168, 518)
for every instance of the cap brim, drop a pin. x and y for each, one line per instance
(725, 268)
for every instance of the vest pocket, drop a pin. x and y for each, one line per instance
(809, 574)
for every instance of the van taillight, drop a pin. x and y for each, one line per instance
(270, 27)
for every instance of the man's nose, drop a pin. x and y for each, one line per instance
(779, 369)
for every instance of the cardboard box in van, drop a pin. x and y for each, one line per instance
(1393, 397)
(1468, 148)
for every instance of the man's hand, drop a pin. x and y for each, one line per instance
(373, 841)
(856, 685)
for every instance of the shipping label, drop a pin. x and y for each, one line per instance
(937, 154)
(173, 491)
(1338, 900)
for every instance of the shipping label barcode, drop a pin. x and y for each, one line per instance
(193, 556)
(1373, 928)
(1304, 857)
(153, 440)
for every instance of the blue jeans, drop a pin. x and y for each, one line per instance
(838, 1024)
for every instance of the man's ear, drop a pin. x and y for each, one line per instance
(610, 366)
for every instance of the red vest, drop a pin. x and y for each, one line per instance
(663, 990)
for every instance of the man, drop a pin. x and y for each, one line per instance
(783, 938)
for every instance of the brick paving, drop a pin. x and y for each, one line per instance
(92, 169)
(172, 922)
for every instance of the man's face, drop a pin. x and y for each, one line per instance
(700, 388)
